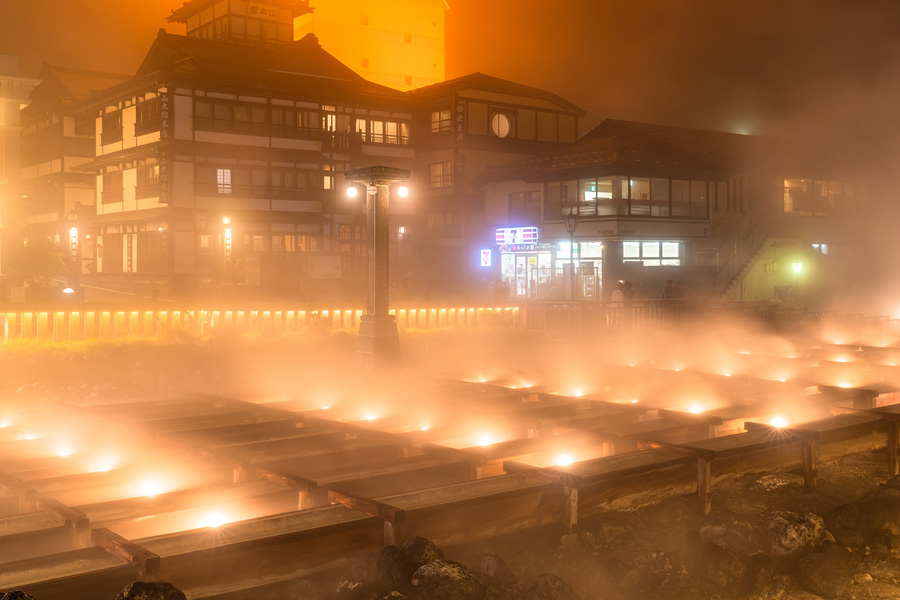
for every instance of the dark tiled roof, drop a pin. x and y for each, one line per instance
(299, 69)
(73, 84)
(480, 81)
(633, 147)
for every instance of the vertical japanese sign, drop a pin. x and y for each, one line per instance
(165, 118)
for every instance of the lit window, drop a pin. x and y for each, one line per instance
(223, 180)
(652, 254)
(440, 175)
(440, 121)
(501, 125)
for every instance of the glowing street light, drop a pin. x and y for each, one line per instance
(378, 342)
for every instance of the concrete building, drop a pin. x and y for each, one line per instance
(731, 216)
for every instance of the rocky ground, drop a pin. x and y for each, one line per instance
(765, 539)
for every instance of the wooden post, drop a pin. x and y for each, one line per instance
(892, 442)
(570, 510)
(809, 448)
(704, 485)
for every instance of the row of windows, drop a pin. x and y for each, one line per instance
(818, 196)
(283, 121)
(652, 254)
(282, 243)
(248, 182)
(633, 196)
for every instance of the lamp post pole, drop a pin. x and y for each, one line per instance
(571, 223)
(379, 342)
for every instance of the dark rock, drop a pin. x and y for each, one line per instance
(494, 589)
(828, 572)
(550, 587)
(154, 590)
(874, 590)
(421, 550)
(363, 568)
(722, 567)
(446, 580)
(347, 588)
(394, 595)
(791, 536)
(762, 580)
(16, 595)
(497, 568)
(852, 538)
(736, 536)
(393, 570)
(612, 573)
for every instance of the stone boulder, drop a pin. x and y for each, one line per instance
(762, 580)
(829, 572)
(446, 580)
(739, 537)
(16, 595)
(791, 536)
(393, 570)
(154, 590)
(722, 567)
(497, 568)
(421, 550)
(550, 587)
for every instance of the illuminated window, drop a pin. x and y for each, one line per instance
(652, 254)
(501, 125)
(440, 175)
(441, 121)
(223, 181)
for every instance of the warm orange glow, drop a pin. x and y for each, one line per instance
(564, 460)
(151, 487)
(779, 422)
(214, 519)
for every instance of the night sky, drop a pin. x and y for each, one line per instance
(819, 67)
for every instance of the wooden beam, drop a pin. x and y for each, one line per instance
(147, 563)
(305, 487)
(370, 507)
(71, 518)
(26, 494)
(392, 516)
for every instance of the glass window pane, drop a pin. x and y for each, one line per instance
(651, 263)
(659, 192)
(650, 249)
(681, 197)
(699, 203)
(670, 249)
(631, 249)
(671, 262)
(640, 196)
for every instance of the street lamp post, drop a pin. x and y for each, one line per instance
(571, 222)
(378, 343)
(74, 251)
